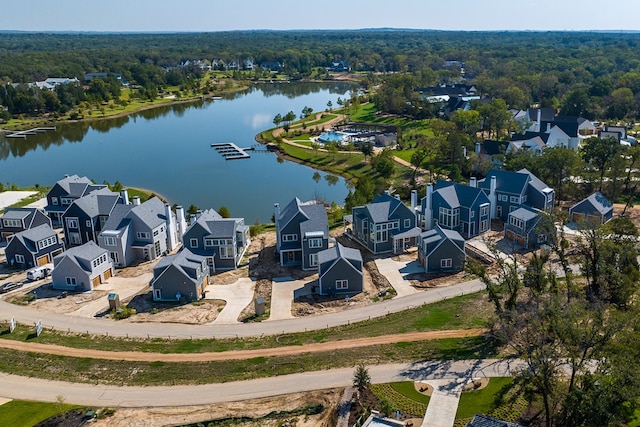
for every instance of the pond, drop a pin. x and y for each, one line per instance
(168, 151)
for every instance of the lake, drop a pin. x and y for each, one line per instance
(168, 150)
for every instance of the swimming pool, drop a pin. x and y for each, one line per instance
(332, 137)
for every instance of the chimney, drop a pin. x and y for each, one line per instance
(397, 196)
(125, 196)
(192, 219)
(136, 201)
(493, 199)
(472, 182)
(414, 200)
(198, 213)
(428, 212)
(548, 127)
(276, 216)
(182, 224)
(538, 120)
(464, 151)
(387, 192)
(172, 241)
(478, 148)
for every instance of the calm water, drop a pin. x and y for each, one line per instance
(168, 150)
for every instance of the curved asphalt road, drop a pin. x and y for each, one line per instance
(17, 387)
(26, 315)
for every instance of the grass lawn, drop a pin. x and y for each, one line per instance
(402, 396)
(19, 413)
(496, 400)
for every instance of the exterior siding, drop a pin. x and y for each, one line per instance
(172, 282)
(341, 270)
(15, 247)
(446, 250)
(307, 251)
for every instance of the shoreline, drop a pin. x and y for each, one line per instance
(148, 191)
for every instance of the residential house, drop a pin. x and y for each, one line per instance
(459, 207)
(64, 192)
(81, 268)
(487, 421)
(535, 142)
(85, 217)
(441, 250)
(15, 220)
(51, 82)
(223, 241)
(302, 230)
(339, 67)
(508, 190)
(138, 232)
(385, 225)
(33, 247)
(595, 209)
(180, 277)
(340, 271)
(562, 131)
(525, 227)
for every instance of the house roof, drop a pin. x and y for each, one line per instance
(456, 194)
(185, 261)
(506, 181)
(530, 135)
(546, 114)
(535, 181)
(524, 213)
(487, 421)
(100, 202)
(492, 147)
(75, 185)
(82, 255)
(337, 252)
(18, 213)
(29, 237)
(315, 214)
(151, 213)
(598, 202)
(382, 206)
(437, 233)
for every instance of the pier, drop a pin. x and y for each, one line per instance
(231, 151)
(25, 133)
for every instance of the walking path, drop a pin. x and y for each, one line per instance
(344, 407)
(237, 295)
(443, 403)
(395, 271)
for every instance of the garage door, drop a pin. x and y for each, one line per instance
(96, 281)
(107, 274)
(520, 241)
(511, 235)
(44, 259)
(56, 253)
(577, 217)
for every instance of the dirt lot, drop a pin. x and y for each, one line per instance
(249, 408)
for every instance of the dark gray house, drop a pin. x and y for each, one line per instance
(459, 207)
(340, 271)
(85, 217)
(384, 225)
(441, 250)
(33, 247)
(525, 227)
(223, 241)
(137, 232)
(81, 268)
(180, 277)
(595, 209)
(64, 192)
(302, 230)
(487, 421)
(15, 220)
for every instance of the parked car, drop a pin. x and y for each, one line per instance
(38, 273)
(9, 286)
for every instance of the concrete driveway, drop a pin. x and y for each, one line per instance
(282, 295)
(396, 272)
(237, 296)
(125, 287)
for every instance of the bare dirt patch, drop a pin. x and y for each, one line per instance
(199, 312)
(254, 408)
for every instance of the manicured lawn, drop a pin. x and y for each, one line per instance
(403, 396)
(19, 413)
(482, 401)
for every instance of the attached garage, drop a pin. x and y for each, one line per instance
(107, 274)
(43, 260)
(96, 281)
(595, 209)
(577, 217)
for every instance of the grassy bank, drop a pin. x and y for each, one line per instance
(26, 413)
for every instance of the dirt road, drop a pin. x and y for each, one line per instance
(138, 356)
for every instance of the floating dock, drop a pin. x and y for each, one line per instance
(25, 133)
(231, 151)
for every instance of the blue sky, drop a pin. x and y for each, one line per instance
(222, 15)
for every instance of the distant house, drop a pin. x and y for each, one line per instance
(52, 82)
(340, 271)
(271, 66)
(302, 230)
(85, 217)
(33, 247)
(508, 190)
(81, 268)
(385, 225)
(15, 220)
(487, 421)
(223, 241)
(89, 77)
(459, 207)
(524, 227)
(561, 131)
(64, 192)
(339, 67)
(138, 232)
(441, 250)
(595, 209)
(180, 277)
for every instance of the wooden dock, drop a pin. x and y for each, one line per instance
(231, 151)
(25, 133)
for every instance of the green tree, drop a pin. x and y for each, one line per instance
(383, 163)
(361, 378)
(224, 212)
(600, 152)
(277, 120)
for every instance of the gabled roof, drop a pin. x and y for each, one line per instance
(76, 186)
(315, 214)
(29, 238)
(215, 225)
(524, 213)
(433, 238)
(456, 194)
(530, 135)
(100, 202)
(598, 202)
(26, 215)
(185, 261)
(151, 213)
(546, 114)
(338, 252)
(82, 255)
(506, 181)
(535, 182)
(289, 212)
(382, 207)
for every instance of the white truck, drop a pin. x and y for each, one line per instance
(38, 273)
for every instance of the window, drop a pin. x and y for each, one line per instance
(156, 294)
(71, 280)
(524, 198)
(155, 233)
(342, 284)
(407, 223)
(143, 235)
(109, 241)
(114, 257)
(365, 226)
(210, 242)
(315, 243)
(472, 214)
(226, 252)
(446, 263)
(20, 259)
(484, 225)
(289, 237)
(484, 210)
(515, 199)
(542, 238)
(54, 201)
(313, 260)
(210, 260)
(382, 236)
(16, 223)
(449, 218)
(193, 243)
(65, 201)
(74, 238)
(394, 225)
(499, 211)
(516, 222)
(72, 222)
(88, 223)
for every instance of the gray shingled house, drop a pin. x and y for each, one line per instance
(15, 220)
(81, 268)
(525, 227)
(223, 241)
(180, 277)
(64, 192)
(384, 225)
(595, 209)
(36, 246)
(340, 271)
(136, 232)
(302, 230)
(84, 218)
(441, 250)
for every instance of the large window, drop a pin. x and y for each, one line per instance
(226, 252)
(315, 243)
(72, 222)
(15, 223)
(109, 240)
(114, 257)
(313, 260)
(516, 222)
(515, 199)
(65, 201)
(342, 284)
(49, 241)
(142, 235)
(382, 236)
(74, 238)
(484, 210)
(449, 218)
(289, 237)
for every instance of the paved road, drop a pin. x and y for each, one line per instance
(97, 326)
(17, 387)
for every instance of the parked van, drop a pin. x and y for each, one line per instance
(38, 273)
